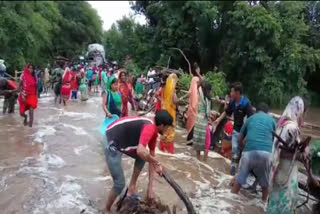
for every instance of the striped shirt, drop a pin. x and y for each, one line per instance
(128, 132)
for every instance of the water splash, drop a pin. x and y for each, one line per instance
(77, 130)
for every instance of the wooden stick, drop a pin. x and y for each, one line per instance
(182, 195)
(190, 72)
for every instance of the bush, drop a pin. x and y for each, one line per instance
(218, 83)
(133, 68)
(184, 81)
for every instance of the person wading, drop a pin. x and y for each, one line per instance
(256, 154)
(200, 127)
(169, 103)
(27, 98)
(240, 107)
(283, 197)
(193, 100)
(126, 94)
(66, 84)
(9, 90)
(131, 136)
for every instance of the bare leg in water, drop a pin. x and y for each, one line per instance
(25, 121)
(30, 117)
(205, 157)
(111, 198)
(131, 190)
(198, 155)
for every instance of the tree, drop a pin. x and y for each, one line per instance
(35, 32)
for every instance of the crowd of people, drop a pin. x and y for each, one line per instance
(248, 140)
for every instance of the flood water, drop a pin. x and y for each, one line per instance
(58, 166)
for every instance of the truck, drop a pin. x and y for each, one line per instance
(95, 55)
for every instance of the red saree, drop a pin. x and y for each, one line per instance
(28, 97)
(66, 84)
(125, 96)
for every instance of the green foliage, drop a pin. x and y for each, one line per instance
(272, 47)
(34, 32)
(218, 82)
(129, 38)
(133, 68)
(184, 81)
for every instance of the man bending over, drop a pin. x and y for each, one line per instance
(132, 136)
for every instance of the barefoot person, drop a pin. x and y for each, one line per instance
(169, 103)
(66, 84)
(28, 99)
(256, 150)
(131, 136)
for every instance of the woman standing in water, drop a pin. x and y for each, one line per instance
(104, 80)
(126, 93)
(83, 86)
(200, 127)
(111, 98)
(284, 193)
(40, 82)
(28, 99)
(66, 85)
(193, 100)
(169, 102)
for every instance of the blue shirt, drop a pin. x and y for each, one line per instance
(89, 74)
(258, 132)
(239, 111)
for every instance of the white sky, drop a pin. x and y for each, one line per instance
(111, 11)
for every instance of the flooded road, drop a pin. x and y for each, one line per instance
(58, 166)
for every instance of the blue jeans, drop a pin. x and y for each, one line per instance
(113, 157)
(257, 161)
(235, 152)
(235, 145)
(74, 95)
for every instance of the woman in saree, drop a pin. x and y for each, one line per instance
(169, 102)
(284, 193)
(111, 98)
(139, 87)
(83, 87)
(202, 118)
(126, 93)
(104, 80)
(96, 83)
(27, 98)
(193, 106)
(66, 85)
(193, 99)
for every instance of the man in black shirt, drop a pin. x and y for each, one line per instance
(133, 136)
(240, 107)
(9, 90)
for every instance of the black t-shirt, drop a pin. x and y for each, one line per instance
(128, 132)
(4, 84)
(239, 112)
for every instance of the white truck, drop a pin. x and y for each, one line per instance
(95, 54)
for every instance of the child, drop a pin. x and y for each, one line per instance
(74, 85)
(226, 146)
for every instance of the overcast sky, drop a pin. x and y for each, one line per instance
(111, 11)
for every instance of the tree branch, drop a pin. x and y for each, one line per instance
(184, 58)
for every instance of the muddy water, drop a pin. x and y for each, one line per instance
(58, 167)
